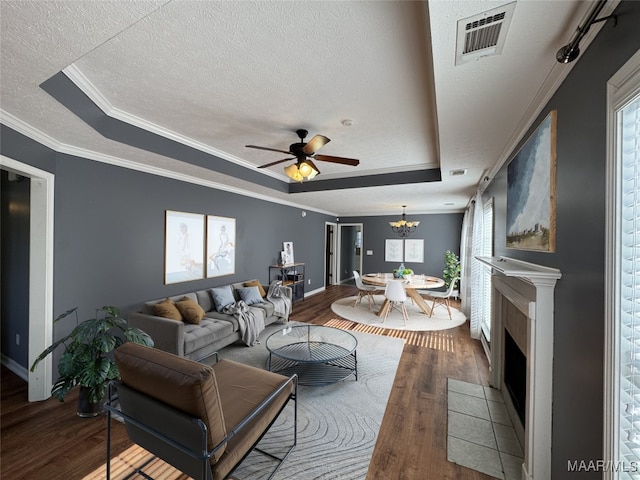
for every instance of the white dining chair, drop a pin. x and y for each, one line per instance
(441, 298)
(364, 290)
(396, 296)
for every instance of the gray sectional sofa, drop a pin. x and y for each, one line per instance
(216, 329)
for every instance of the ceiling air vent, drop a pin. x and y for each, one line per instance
(458, 172)
(484, 34)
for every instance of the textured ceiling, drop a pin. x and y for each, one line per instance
(220, 75)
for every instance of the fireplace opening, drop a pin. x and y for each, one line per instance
(515, 374)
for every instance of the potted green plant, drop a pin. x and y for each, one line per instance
(86, 360)
(452, 268)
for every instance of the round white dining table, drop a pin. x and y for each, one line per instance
(411, 284)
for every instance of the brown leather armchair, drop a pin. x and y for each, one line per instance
(203, 420)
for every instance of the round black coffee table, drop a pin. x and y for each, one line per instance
(319, 355)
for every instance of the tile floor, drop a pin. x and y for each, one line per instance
(480, 434)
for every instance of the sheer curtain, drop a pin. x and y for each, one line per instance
(476, 270)
(465, 252)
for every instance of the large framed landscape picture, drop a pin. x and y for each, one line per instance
(531, 191)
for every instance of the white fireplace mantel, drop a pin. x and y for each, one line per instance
(530, 288)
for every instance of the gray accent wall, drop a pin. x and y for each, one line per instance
(109, 232)
(440, 232)
(580, 242)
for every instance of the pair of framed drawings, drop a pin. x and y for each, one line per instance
(198, 245)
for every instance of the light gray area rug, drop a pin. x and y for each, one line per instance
(337, 424)
(418, 320)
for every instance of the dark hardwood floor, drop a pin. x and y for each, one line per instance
(47, 440)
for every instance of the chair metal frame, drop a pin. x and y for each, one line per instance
(195, 456)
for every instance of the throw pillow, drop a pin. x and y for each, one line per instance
(190, 310)
(250, 295)
(222, 296)
(256, 283)
(167, 309)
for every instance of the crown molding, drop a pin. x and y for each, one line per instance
(74, 74)
(59, 147)
(28, 131)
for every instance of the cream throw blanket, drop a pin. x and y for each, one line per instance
(250, 324)
(277, 295)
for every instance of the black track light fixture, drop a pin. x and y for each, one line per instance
(570, 52)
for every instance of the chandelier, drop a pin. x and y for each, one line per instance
(301, 170)
(402, 227)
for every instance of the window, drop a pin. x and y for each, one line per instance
(487, 251)
(622, 367)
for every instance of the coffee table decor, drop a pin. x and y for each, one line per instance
(319, 355)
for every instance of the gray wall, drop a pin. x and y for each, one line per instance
(580, 241)
(109, 232)
(440, 233)
(14, 273)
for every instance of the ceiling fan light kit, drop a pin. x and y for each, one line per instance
(403, 227)
(304, 168)
(300, 171)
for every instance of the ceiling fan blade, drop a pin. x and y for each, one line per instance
(315, 144)
(344, 161)
(276, 162)
(267, 148)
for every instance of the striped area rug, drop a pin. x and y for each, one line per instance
(438, 340)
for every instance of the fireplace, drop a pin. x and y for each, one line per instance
(522, 354)
(515, 375)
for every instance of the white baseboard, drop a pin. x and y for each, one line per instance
(15, 367)
(313, 292)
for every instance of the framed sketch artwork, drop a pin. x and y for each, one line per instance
(393, 250)
(414, 250)
(531, 191)
(221, 246)
(184, 247)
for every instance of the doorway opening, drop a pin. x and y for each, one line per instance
(40, 276)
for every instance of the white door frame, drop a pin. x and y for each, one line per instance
(40, 274)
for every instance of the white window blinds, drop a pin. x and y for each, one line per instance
(487, 251)
(628, 280)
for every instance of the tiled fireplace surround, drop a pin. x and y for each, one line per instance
(523, 304)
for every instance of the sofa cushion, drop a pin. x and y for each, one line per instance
(167, 309)
(207, 332)
(190, 310)
(267, 307)
(204, 300)
(195, 390)
(256, 283)
(250, 295)
(222, 296)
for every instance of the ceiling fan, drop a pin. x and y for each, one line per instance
(304, 153)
